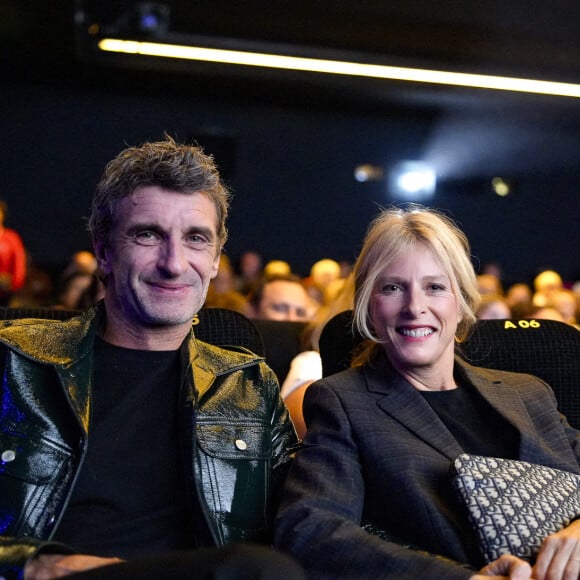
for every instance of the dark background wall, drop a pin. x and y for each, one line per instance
(291, 170)
(288, 143)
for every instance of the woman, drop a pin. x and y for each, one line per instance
(382, 436)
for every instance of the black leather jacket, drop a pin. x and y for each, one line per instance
(233, 422)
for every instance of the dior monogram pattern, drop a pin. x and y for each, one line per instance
(514, 505)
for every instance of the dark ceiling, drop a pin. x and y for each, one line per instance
(508, 132)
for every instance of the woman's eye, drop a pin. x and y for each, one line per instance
(390, 288)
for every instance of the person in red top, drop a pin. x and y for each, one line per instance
(12, 259)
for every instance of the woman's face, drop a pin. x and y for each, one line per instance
(415, 312)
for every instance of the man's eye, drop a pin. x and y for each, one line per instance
(198, 240)
(146, 237)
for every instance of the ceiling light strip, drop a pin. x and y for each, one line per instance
(337, 67)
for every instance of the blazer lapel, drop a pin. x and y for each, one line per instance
(503, 398)
(400, 400)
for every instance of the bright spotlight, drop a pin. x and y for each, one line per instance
(501, 187)
(412, 181)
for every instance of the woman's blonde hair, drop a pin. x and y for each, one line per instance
(396, 230)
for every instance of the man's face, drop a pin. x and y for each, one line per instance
(285, 300)
(163, 253)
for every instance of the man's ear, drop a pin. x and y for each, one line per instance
(102, 253)
(216, 264)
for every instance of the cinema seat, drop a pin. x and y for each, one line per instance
(546, 348)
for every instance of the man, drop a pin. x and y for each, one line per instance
(120, 434)
(282, 298)
(12, 259)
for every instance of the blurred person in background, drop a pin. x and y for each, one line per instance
(281, 298)
(306, 366)
(250, 271)
(546, 285)
(222, 292)
(12, 259)
(489, 284)
(565, 303)
(322, 273)
(493, 307)
(519, 299)
(276, 268)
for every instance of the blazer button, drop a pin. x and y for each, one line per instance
(8, 455)
(241, 444)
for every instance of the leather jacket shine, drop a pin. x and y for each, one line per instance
(237, 434)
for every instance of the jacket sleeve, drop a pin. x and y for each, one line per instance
(319, 521)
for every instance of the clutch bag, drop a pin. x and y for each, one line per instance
(513, 505)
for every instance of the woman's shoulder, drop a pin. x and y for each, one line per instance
(520, 381)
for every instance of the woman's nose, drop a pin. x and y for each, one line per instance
(415, 304)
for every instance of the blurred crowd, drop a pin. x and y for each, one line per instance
(270, 290)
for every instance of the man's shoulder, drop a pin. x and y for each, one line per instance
(46, 339)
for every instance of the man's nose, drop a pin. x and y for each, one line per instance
(173, 258)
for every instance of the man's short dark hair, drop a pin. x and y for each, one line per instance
(166, 164)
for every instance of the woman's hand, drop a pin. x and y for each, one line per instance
(505, 567)
(559, 556)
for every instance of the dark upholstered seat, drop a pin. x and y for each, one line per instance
(282, 342)
(545, 348)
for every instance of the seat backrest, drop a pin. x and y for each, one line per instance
(227, 329)
(217, 326)
(282, 342)
(545, 348)
(548, 349)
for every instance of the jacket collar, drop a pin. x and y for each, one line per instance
(54, 342)
(399, 399)
(208, 362)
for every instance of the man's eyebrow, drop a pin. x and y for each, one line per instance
(144, 226)
(205, 231)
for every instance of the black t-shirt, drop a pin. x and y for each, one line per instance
(475, 424)
(129, 498)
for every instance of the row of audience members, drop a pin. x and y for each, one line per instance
(547, 299)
